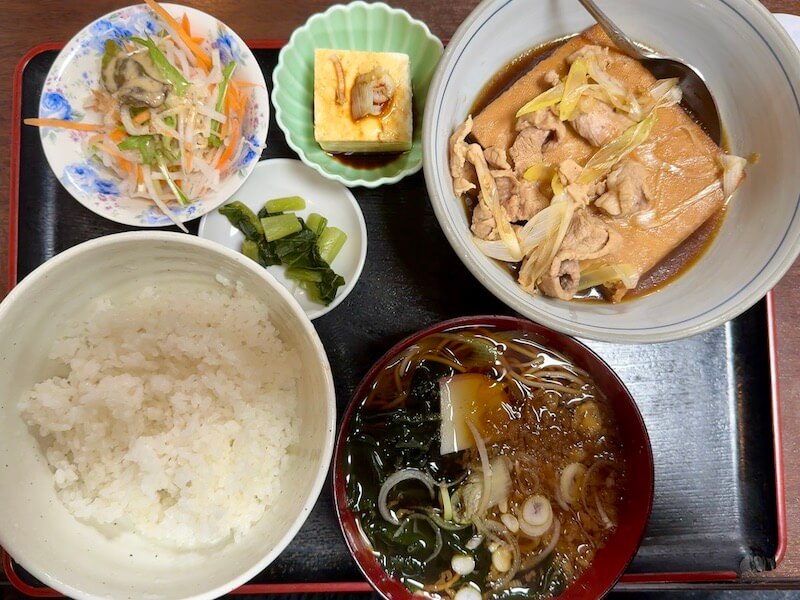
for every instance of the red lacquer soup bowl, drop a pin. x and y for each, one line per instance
(636, 493)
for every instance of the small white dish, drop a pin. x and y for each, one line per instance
(280, 177)
(76, 71)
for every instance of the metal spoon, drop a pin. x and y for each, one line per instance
(696, 95)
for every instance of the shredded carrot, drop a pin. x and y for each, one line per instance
(117, 135)
(247, 84)
(232, 98)
(142, 117)
(198, 40)
(234, 141)
(139, 175)
(188, 162)
(126, 165)
(202, 57)
(185, 24)
(65, 124)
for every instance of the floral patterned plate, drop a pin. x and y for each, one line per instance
(76, 71)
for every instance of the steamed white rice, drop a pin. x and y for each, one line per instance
(173, 415)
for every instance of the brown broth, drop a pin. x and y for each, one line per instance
(509, 74)
(537, 432)
(675, 264)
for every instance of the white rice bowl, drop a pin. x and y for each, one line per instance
(173, 425)
(202, 433)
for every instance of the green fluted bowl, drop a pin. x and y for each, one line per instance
(355, 26)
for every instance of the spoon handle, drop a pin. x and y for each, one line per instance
(621, 41)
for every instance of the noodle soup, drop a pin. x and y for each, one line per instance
(480, 464)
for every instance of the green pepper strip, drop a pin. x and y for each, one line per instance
(145, 144)
(227, 73)
(152, 152)
(168, 71)
(183, 199)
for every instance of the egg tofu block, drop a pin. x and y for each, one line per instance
(335, 129)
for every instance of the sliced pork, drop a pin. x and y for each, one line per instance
(597, 122)
(587, 237)
(526, 202)
(627, 189)
(484, 225)
(496, 157)
(527, 148)
(461, 170)
(546, 120)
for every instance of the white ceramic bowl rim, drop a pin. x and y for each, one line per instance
(749, 293)
(304, 322)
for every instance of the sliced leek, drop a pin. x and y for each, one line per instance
(609, 155)
(614, 91)
(624, 272)
(732, 173)
(543, 223)
(544, 100)
(556, 185)
(576, 79)
(539, 172)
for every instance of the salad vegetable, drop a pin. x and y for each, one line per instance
(170, 111)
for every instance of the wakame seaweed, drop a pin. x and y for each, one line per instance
(402, 438)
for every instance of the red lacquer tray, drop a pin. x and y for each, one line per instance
(738, 526)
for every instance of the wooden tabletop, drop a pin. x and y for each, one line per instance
(32, 22)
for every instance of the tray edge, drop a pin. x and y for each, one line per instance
(363, 586)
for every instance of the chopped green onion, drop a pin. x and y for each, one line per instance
(290, 203)
(330, 243)
(166, 68)
(280, 226)
(171, 121)
(111, 49)
(316, 223)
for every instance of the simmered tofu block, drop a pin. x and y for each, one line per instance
(362, 101)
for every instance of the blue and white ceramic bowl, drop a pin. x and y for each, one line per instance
(76, 71)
